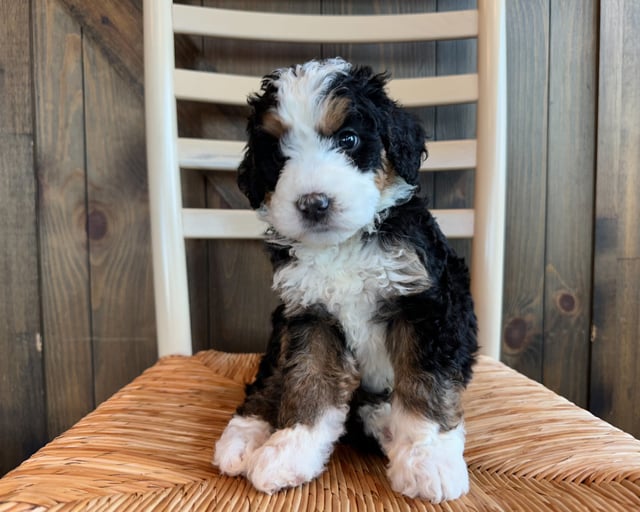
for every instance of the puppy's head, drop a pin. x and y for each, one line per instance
(327, 151)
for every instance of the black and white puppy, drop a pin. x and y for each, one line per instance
(376, 327)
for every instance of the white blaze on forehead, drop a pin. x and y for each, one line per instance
(302, 88)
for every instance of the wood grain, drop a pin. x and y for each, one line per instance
(570, 194)
(22, 404)
(455, 189)
(194, 195)
(240, 297)
(615, 362)
(116, 27)
(527, 84)
(66, 313)
(118, 227)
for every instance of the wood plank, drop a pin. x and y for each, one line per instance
(225, 155)
(22, 404)
(570, 196)
(66, 315)
(194, 195)
(455, 189)
(241, 299)
(231, 89)
(245, 224)
(261, 26)
(116, 27)
(222, 223)
(615, 360)
(527, 68)
(118, 227)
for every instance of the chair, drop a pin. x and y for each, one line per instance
(150, 445)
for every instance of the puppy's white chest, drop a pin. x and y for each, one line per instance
(350, 280)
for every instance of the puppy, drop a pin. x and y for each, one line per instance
(376, 327)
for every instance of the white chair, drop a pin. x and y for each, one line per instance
(167, 153)
(150, 445)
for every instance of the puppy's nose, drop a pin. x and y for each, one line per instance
(314, 206)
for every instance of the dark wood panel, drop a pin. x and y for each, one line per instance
(570, 195)
(115, 26)
(527, 84)
(118, 227)
(615, 365)
(59, 115)
(15, 80)
(22, 405)
(22, 402)
(240, 298)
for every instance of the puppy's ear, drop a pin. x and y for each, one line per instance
(260, 167)
(405, 144)
(402, 134)
(250, 180)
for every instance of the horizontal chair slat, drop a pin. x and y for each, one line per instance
(244, 224)
(219, 223)
(220, 155)
(433, 91)
(410, 92)
(225, 155)
(304, 28)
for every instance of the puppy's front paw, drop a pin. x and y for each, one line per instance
(432, 468)
(293, 456)
(240, 439)
(286, 460)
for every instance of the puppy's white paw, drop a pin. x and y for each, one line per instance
(431, 467)
(241, 437)
(293, 456)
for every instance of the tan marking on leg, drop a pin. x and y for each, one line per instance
(319, 374)
(422, 393)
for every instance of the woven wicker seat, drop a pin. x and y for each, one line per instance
(150, 447)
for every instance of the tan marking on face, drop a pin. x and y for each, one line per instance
(386, 175)
(334, 114)
(273, 125)
(267, 199)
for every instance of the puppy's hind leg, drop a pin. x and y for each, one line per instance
(319, 376)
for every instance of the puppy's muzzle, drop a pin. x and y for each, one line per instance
(314, 207)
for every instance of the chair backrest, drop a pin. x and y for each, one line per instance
(167, 153)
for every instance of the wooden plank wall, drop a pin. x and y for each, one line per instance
(22, 390)
(76, 309)
(551, 162)
(616, 299)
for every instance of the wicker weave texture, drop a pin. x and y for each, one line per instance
(149, 448)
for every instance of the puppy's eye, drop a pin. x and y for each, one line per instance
(348, 140)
